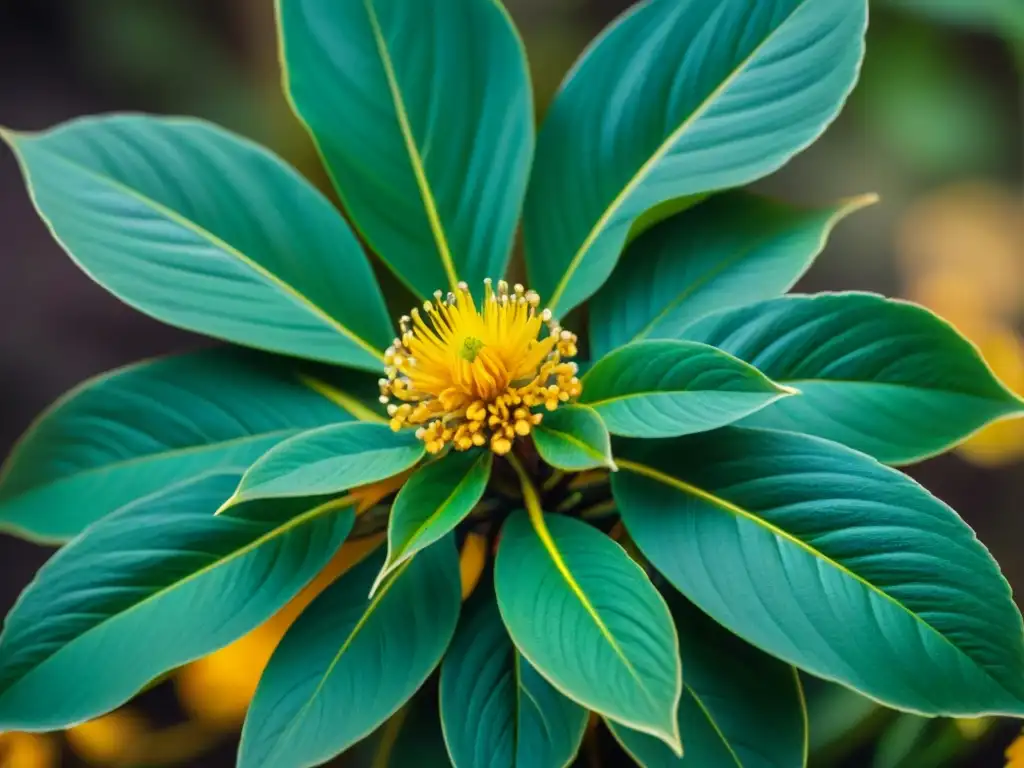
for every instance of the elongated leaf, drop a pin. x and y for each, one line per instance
(131, 432)
(434, 500)
(423, 114)
(669, 388)
(740, 707)
(885, 377)
(678, 98)
(586, 617)
(497, 711)
(349, 662)
(158, 584)
(330, 460)
(574, 438)
(209, 232)
(735, 249)
(829, 560)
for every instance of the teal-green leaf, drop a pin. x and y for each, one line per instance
(207, 231)
(424, 116)
(497, 711)
(149, 588)
(669, 388)
(432, 502)
(675, 99)
(588, 619)
(734, 249)
(349, 662)
(410, 737)
(830, 561)
(574, 438)
(329, 460)
(131, 432)
(886, 377)
(741, 708)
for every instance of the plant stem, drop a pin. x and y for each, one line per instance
(530, 497)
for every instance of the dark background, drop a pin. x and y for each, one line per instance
(938, 117)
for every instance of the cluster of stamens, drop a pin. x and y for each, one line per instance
(470, 378)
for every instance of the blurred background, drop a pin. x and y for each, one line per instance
(936, 127)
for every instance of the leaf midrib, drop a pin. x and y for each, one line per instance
(716, 501)
(540, 528)
(678, 393)
(253, 492)
(797, 382)
(223, 560)
(154, 457)
(403, 549)
(415, 159)
(375, 602)
(570, 438)
(176, 218)
(836, 215)
(663, 149)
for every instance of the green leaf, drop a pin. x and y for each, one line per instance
(496, 710)
(204, 230)
(330, 460)
(133, 431)
(574, 438)
(830, 561)
(586, 617)
(734, 249)
(885, 377)
(841, 719)
(350, 662)
(740, 707)
(423, 114)
(675, 99)
(669, 388)
(152, 587)
(410, 737)
(432, 502)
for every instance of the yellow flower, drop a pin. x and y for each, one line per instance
(117, 738)
(28, 750)
(1015, 753)
(470, 377)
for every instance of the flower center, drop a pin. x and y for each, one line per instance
(468, 376)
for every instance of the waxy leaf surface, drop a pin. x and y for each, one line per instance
(329, 460)
(740, 709)
(207, 231)
(433, 501)
(888, 378)
(831, 561)
(158, 584)
(676, 99)
(588, 619)
(349, 662)
(424, 116)
(497, 711)
(734, 249)
(136, 430)
(574, 438)
(670, 388)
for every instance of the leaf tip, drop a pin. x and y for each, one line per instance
(384, 571)
(8, 136)
(859, 202)
(233, 499)
(674, 740)
(788, 391)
